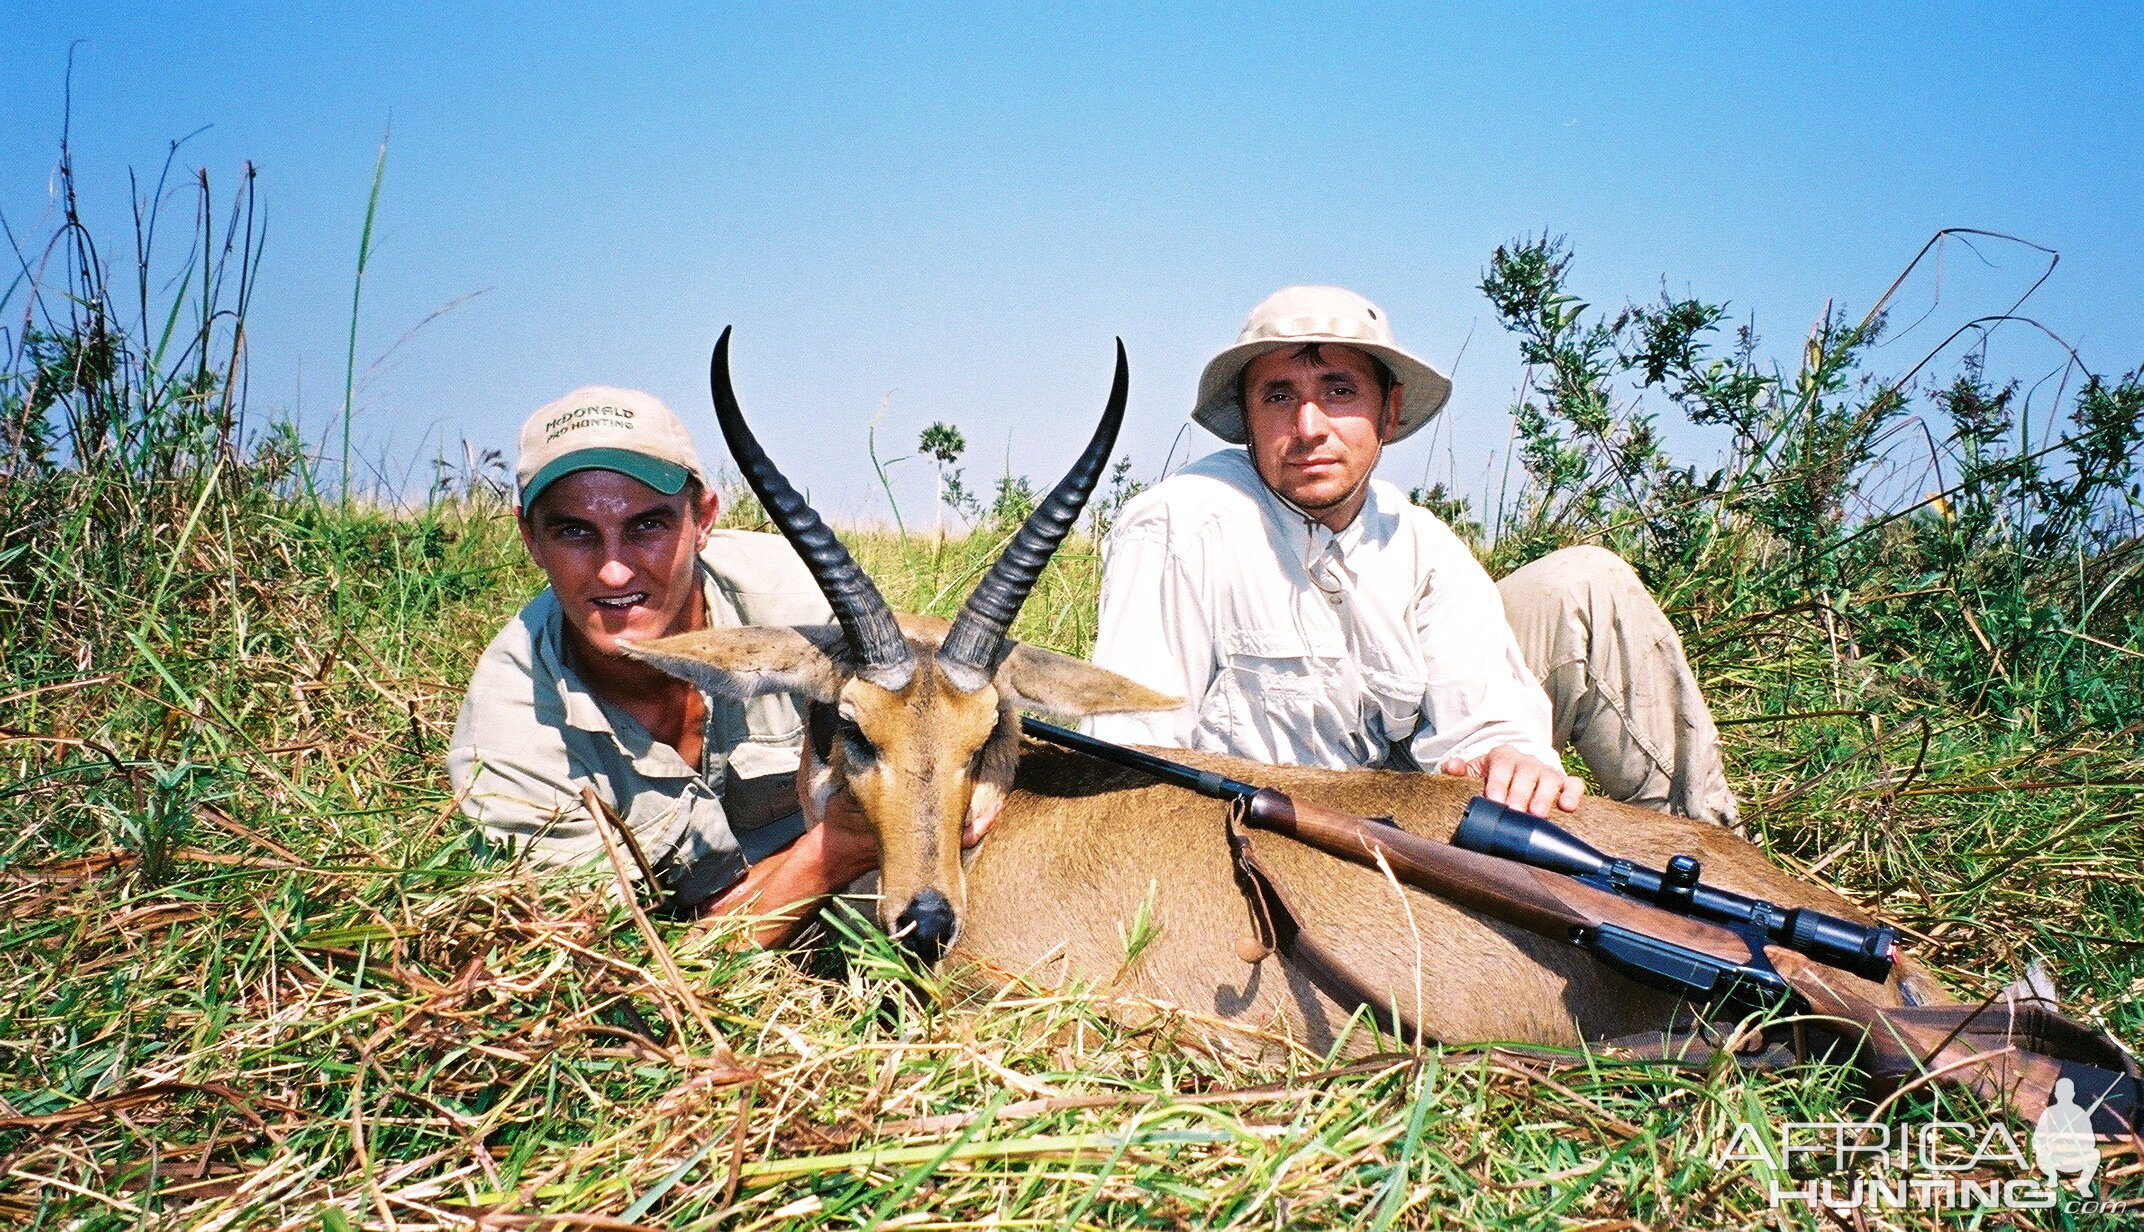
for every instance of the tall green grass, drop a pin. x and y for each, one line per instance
(251, 974)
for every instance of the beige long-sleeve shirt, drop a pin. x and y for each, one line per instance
(1382, 645)
(531, 735)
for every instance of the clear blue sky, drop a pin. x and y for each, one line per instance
(963, 207)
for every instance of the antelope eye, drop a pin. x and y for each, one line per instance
(855, 744)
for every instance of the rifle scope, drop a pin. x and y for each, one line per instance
(1494, 830)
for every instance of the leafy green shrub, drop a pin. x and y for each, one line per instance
(1986, 586)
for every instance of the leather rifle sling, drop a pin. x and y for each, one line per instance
(1279, 929)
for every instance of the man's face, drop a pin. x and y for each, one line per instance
(1316, 425)
(620, 556)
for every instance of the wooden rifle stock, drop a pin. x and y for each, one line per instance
(1539, 901)
(1646, 943)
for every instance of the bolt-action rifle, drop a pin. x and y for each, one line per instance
(1667, 929)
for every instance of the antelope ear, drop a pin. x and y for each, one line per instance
(751, 660)
(1061, 685)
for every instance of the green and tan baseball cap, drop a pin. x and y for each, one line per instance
(598, 428)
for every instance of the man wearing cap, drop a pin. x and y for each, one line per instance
(615, 509)
(1310, 614)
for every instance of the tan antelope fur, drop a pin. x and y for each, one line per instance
(915, 716)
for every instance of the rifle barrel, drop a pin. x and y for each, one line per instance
(1205, 782)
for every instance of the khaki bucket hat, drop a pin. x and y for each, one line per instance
(598, 428)
(1295, 316)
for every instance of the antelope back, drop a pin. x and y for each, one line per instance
(1085, 851)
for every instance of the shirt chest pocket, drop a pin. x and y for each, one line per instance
(1269, 694)
(1285, 697)
(1281, 665)
(753, 739)
(1393, 702)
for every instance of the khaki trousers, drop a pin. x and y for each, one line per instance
(1622, 692)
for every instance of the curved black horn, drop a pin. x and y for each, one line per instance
(977, 639)
(883, 654)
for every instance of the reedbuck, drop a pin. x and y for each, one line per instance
(914, 716)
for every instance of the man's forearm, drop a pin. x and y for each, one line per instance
(790, 883)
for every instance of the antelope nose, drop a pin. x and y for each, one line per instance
(927, 926)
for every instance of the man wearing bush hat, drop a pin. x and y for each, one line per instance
(615, 508)
(1310, 614)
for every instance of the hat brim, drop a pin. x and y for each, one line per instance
(1220, 408)
(667, 478)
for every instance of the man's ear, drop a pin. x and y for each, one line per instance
(705, 510)
(1061, 685)
(751, 660)
(1393, 402)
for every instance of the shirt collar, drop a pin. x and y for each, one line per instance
(1310, 536)
(547, 650)
(582, 709)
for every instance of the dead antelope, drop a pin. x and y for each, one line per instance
(915, 715)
